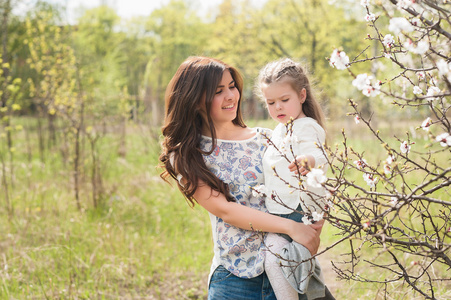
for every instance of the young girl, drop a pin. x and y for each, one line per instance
(214, 157)
(285, 88)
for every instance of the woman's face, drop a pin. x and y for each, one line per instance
(225, 102)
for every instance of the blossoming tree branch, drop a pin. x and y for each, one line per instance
(402, 209)
(394, 213)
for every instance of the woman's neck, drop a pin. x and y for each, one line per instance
(231, 131)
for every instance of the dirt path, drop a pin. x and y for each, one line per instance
(329, 275)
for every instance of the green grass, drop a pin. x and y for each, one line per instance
(143, 241)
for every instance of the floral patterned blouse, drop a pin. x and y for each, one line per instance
(239, 164)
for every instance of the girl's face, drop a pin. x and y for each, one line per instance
(283, 101)
(225, 102)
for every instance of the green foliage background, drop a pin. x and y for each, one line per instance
(84, 214)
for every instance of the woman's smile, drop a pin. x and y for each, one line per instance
(231, 106)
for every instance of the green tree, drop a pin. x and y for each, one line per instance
(234, 39)
(138, 47)
(294, 29)
(99, 48)
(177, 32)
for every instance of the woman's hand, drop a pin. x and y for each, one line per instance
(307, 235)
(304, 162)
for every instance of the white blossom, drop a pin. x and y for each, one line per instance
(306, 220)
(404, 3)
(390, 159)
(365, 3)
(361, 163)
(417, 90)
(387, 55)
(370, 17)
(328, 195)
(394, 201)
(370, 179)
(415, 22)
(420, 48)
(389, 40)
(317, 216)
(339, 60)
(259, 190)
(315, 178)
(432, 91)
(426, 123)
(421, 75)
(443, 67)
(400, 24)
(444, 139)
(329, 205)
(357, 119)
(361, 81)
(366, 225)
(387, 169)
(405, 147)
(371, 91)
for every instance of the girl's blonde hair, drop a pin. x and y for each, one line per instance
(286, 69)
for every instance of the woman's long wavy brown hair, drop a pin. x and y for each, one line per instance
(195, 80)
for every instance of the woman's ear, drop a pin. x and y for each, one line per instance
(302, 95)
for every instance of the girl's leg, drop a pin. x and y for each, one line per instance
(280, 285)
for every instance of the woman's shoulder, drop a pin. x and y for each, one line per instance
(242, 136)
(263, 133)
(262, 130)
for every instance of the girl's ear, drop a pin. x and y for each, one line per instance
(302, 95)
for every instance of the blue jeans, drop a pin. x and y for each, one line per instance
(226, 286)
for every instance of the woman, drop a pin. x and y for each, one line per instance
(216, 158)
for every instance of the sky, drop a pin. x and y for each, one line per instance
(124, 8)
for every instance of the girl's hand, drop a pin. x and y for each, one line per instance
(305, 163)
(307, 235)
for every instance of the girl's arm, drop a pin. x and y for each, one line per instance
(313, 136)
(251, 219)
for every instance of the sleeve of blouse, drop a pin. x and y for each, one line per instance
(311, 139)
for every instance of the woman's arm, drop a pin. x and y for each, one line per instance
(251, 219)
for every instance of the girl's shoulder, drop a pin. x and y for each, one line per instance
(307, 122)
(308, 127)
